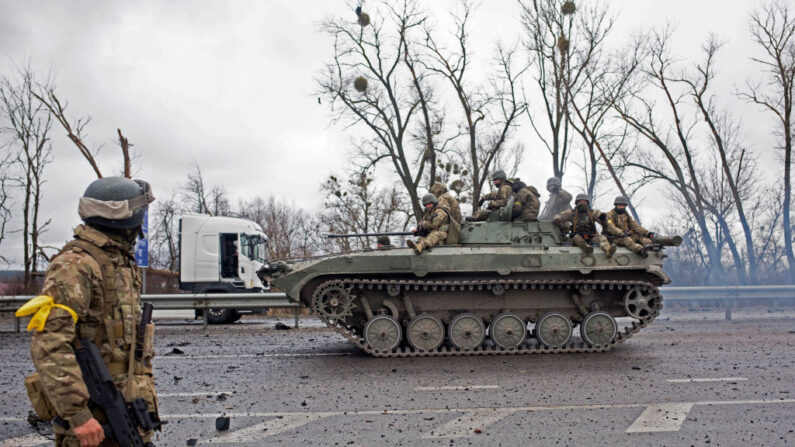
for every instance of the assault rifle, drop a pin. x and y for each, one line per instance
(396, 233)
(124, 418)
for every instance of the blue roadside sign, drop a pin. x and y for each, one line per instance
(142, 245)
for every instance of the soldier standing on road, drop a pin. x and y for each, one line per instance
(559, 200)
(583, 226)
(92, 288)
(497, 198)
(624, 231)
(435, 226)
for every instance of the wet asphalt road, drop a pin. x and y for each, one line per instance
(683, 381)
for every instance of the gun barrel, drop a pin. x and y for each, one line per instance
(671, 241)
(396, 233)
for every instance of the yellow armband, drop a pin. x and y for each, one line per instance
(41, 306)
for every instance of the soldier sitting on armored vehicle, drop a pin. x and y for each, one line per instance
(583, 226)
(497, 198)
(621, 229)
(447, 201)
(559, 200)
(526, 203)
(435, 226)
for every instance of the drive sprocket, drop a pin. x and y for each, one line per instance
(333, 300)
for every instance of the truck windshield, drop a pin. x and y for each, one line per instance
(253, 247)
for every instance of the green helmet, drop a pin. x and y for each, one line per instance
(429, 198)
(499, 174)
(620, 200)
(582, 196)
(115, 202)
(553, 181)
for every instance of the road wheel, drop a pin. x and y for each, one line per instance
(508, 330)
(553, 329)
(425, 332)
(598, 328)
(383, 333)
(466, 331)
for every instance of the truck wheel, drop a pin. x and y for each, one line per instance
(222, 316)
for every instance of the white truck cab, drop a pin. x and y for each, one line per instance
(219, 254)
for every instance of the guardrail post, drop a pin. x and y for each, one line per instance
(204, 318)
(728, 310)
(297, 310)
(16, 324)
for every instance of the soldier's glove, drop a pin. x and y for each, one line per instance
(651, 235)
(481, 202)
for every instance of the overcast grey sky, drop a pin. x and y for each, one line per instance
(229, 85)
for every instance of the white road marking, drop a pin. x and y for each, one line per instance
(716, 379)
(269, 428)
(200, 394)
(464, 410)
(662, 417)
(456, 388)
(30, 440)
(464, 426)
(194, 357)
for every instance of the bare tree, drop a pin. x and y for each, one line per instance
(5, 197)
(489, 111)
(163, 237)
(373, 82)
(673, 160)
(721, 126)
(28, 126)
(292, 233)
(356, 205)
(773, 29)
(605, 82)
(562, 40)
(198, 197)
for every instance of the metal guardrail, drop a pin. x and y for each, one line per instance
(726, 296)
(200, 301)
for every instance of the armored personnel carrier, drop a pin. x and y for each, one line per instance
(505, 288)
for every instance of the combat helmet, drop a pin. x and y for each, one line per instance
(620, 200)
(553, 181)
(429, 198)
(499, 174)
(582, 196)
(115, 202)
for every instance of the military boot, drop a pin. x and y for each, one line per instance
(586, 247)
(417, 247)
(610, 250)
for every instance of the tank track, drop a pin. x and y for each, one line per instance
(445, 351)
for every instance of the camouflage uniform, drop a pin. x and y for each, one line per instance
(525, 207)
(434, 224)
(558, 202)
(74, 278)
(447, 201)
(583, 229)
(497, 198)
(625, 232)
